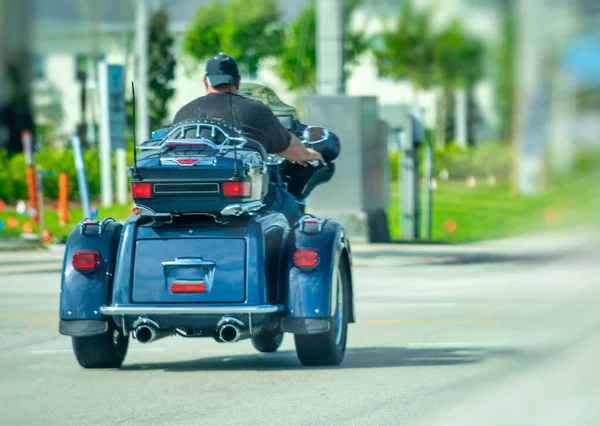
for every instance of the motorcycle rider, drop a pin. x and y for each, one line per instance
(253, 118)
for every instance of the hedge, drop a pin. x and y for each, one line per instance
(492, 158)
(13, 183)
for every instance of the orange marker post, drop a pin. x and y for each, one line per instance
(27, 140)
(63, 198)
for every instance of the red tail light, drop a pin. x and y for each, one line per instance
(85, 260)
(188, 287)
(141, 190)
(236, 189)
(306, 258)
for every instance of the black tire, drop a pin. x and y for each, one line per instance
(106, 350)
(322, 349)
(267, 341)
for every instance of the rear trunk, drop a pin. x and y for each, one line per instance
(190, 270)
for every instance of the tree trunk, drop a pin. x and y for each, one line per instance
(444, 99)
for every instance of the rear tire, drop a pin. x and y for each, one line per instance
(328, 348)
(106, 350)
(267, 341)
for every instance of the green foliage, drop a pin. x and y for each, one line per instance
(450, 58)
(161, 73)
(247, 30)
(458, 57)
(161, 69)
(407, 52)
(489, 159)
(297, 62)
(506, 80)
(13, 181)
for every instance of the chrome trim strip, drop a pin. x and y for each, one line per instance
(189, 262)
(189, 310)
(214, 188)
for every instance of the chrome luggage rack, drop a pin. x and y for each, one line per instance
(232, 139)
(229, 141)
(176, 135)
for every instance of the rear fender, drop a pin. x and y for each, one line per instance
(310, 294)
(82, 294)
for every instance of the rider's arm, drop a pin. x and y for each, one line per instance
(297, 151)
(286, 144)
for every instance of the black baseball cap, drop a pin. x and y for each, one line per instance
(222, 69)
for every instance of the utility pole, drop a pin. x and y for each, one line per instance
(141, 86)
(529, 94)
(330, 47)
(461, 117)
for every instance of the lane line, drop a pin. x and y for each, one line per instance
(413, 304)
(426, 320)
(457, 345)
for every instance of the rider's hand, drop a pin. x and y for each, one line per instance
(311, 155)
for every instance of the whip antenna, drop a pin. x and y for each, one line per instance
(135, 171)
(235, 170)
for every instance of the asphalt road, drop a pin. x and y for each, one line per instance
(510, 342)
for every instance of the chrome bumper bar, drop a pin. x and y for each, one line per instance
(189, 310)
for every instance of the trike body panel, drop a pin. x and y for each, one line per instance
(82, 294)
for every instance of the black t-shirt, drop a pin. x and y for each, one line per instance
(252, 117)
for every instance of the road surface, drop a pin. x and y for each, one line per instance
(475, 341)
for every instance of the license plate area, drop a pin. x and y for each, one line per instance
(189, 275)
(190, 270)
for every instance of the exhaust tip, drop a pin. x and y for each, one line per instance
(144, 334)
(229, 333)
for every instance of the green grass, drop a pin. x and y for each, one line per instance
(487, 212)
(480, 213)
(51, 222)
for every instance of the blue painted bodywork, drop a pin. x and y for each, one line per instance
(82, 295)
(309, 293)
(244, 261)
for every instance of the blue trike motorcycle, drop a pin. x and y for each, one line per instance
(202, 256)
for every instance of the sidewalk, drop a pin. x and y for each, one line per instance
(527, 248)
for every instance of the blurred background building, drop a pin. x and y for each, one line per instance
(70, 36)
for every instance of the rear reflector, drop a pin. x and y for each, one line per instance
(85, 260)
(141, 190)
(186, 161)
(236, 189)
(306, 258)
(198, 287)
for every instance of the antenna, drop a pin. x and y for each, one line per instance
(135, 171)
(235, 170)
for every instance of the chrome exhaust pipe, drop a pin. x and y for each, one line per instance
(233, 330)
(146, 333)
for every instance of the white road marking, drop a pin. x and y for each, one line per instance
(464, 345)
(409, 304)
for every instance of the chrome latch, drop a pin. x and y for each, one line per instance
(312, 225)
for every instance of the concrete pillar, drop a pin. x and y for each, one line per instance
(529, 95)
(141, 85)
(330, 47)
(460, 117)
(357, 195)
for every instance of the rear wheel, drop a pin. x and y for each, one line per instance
(106, 350)
(328, 348)
(267, 341)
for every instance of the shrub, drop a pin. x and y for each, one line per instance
(13, 175)
(492, 158)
